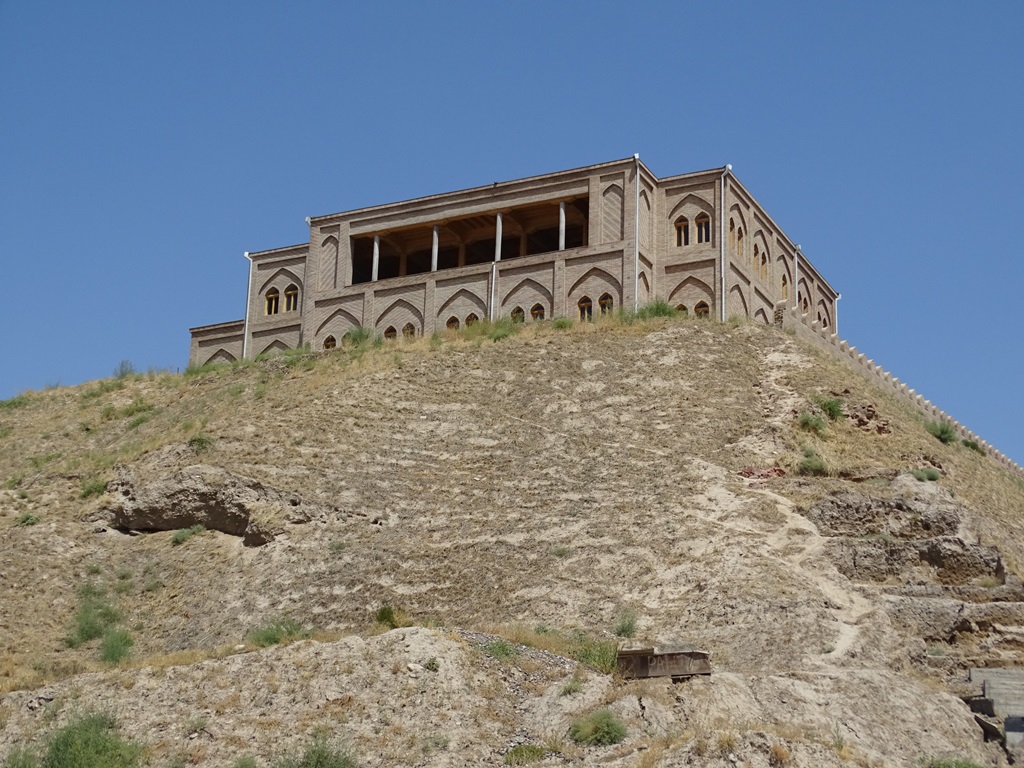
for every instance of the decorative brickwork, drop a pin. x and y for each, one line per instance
(612, 234)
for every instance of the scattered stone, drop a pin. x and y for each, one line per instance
(762, 473)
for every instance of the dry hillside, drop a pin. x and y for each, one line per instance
(518, 500)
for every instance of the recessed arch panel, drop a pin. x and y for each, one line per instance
(461, 303)
(528, 292)
(690, 291)
(340, 318)
(737, 303)
(328, 262)
(274, 347)
(398, 313)
(284, 276)
(596, 273)
(611, 214)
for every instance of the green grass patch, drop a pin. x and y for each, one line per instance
(205, 370)
(116, 645)
(811, 422)
(276, 632)
(598, 728)
(562, 323)
(812, 464)
(524, 754)
(942, 431)
(88, 741)
(500, 649)
(38, 462)
(831, 407)
(392, 617)
(973, 446)
(136, 407)
(927, 473)
(322, 753)
(357, 337)
(95, 615)
(626, 624)
(26, 519)
(124, 369)
(434, 743)
(200, 443)
(102, 388)
(18, 401)
(571, 686)
(658, 308)
(184, 534)
(93, 487)
(595, 652)
(138, 421)
(502, 329)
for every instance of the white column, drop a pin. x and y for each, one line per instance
(497, 239)
(433, 252)
(561, 226)
(376, 257)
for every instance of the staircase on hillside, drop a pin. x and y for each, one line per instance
(1003, 696)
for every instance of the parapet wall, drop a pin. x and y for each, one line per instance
(805, 328)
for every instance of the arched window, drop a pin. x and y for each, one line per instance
(586, 307)
(291, 298)
(452, 324)
(805, 305)
(703, 222)
(732, 234)
(607, 303)
(390, 333)
(537, 312)
(330, 342)
(518, 315)
(757, 254)
(681, 309)
(702, 310)
(682, 231)
(472, 319)
(764, 267)
(785, 288)
(739, 242)
(273, 303)
(409, 331)
(824, 321)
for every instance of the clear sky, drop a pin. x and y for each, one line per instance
(145, 146)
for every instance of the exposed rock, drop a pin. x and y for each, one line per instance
(953, 560)
(762, 472)
(212, 497)
(856, 514)
(866, 417)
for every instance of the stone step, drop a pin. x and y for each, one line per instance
(1004, 687)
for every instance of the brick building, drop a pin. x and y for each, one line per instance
(575, 243)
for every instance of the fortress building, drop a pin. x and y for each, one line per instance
(575, 243)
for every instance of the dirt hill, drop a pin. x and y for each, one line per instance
(522, 501)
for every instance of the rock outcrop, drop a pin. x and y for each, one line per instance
(212, 497)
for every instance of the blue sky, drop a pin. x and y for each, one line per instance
(145, 146)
